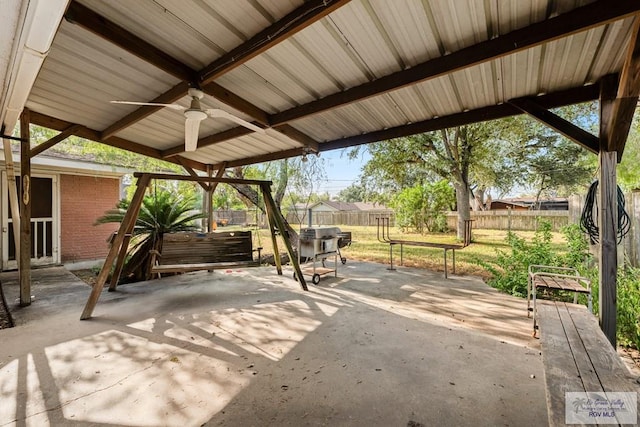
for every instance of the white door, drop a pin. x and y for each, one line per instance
(45, 239)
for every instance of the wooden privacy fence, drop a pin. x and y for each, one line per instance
(490, 220)
(362, 218)
(512, 220)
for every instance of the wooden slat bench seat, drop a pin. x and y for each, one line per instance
(184, 252)
(554, 279)
(577, 357)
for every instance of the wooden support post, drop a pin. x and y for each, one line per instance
(208, 201)
(14, 203)
(24, 260)
(279, 221)
(122, 256)
(608, 210)
(608, 219)
(272, 228)
(117, 246)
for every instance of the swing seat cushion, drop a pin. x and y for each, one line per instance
(187, 251)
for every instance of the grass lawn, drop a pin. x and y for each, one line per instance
(366, 247)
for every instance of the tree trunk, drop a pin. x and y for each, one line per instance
(464, 208)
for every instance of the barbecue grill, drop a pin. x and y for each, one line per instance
(319, 242)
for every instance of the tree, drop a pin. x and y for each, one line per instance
(352, 193)
(449, 154)
(628, 170)
(423, 206)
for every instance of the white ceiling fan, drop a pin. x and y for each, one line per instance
(194, 115)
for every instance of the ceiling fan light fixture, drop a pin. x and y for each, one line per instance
(195, 114)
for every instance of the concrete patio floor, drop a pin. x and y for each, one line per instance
(249, 348)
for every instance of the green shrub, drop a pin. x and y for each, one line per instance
(511, 268)
(628, 315)
(509, 273)
(628, 305)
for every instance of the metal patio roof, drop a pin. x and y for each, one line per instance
(318, 74)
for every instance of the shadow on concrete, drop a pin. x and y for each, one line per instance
(247, 347)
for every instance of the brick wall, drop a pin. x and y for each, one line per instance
(82, 200)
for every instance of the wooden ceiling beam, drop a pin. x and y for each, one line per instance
(71, 130)
(552, 100)
(279, 155)
(296, 20)
(234, 101)
(557, 123)
(93, 135)
(558, 99)
(101, 26)
(216, 138)
(170, 96)
(577, 20)
(624, 106)
(310, 144)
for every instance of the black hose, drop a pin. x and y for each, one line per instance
(589, 217)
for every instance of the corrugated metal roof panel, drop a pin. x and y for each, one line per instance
(355, 23)
(192, 38)
(80, 77)
(408, 29)
(610, 57)
(358, 43)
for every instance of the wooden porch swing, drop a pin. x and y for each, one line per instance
(121, 240)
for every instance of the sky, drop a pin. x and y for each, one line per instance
(340, 170)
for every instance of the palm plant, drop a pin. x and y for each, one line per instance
(162, 212)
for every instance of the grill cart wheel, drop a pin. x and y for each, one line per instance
(315, 279)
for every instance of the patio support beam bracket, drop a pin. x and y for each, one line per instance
(557, 123)
(55, 140)
(624, 106)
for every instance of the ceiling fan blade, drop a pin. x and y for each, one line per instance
(191, 129)
(217, 113)
(151, 104)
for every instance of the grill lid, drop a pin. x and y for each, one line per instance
(312, 233)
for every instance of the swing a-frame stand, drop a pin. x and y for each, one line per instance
(121, 240)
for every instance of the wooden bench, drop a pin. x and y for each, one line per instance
(554, 278)
(577, 357)
(184, 252)
(444, 246)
